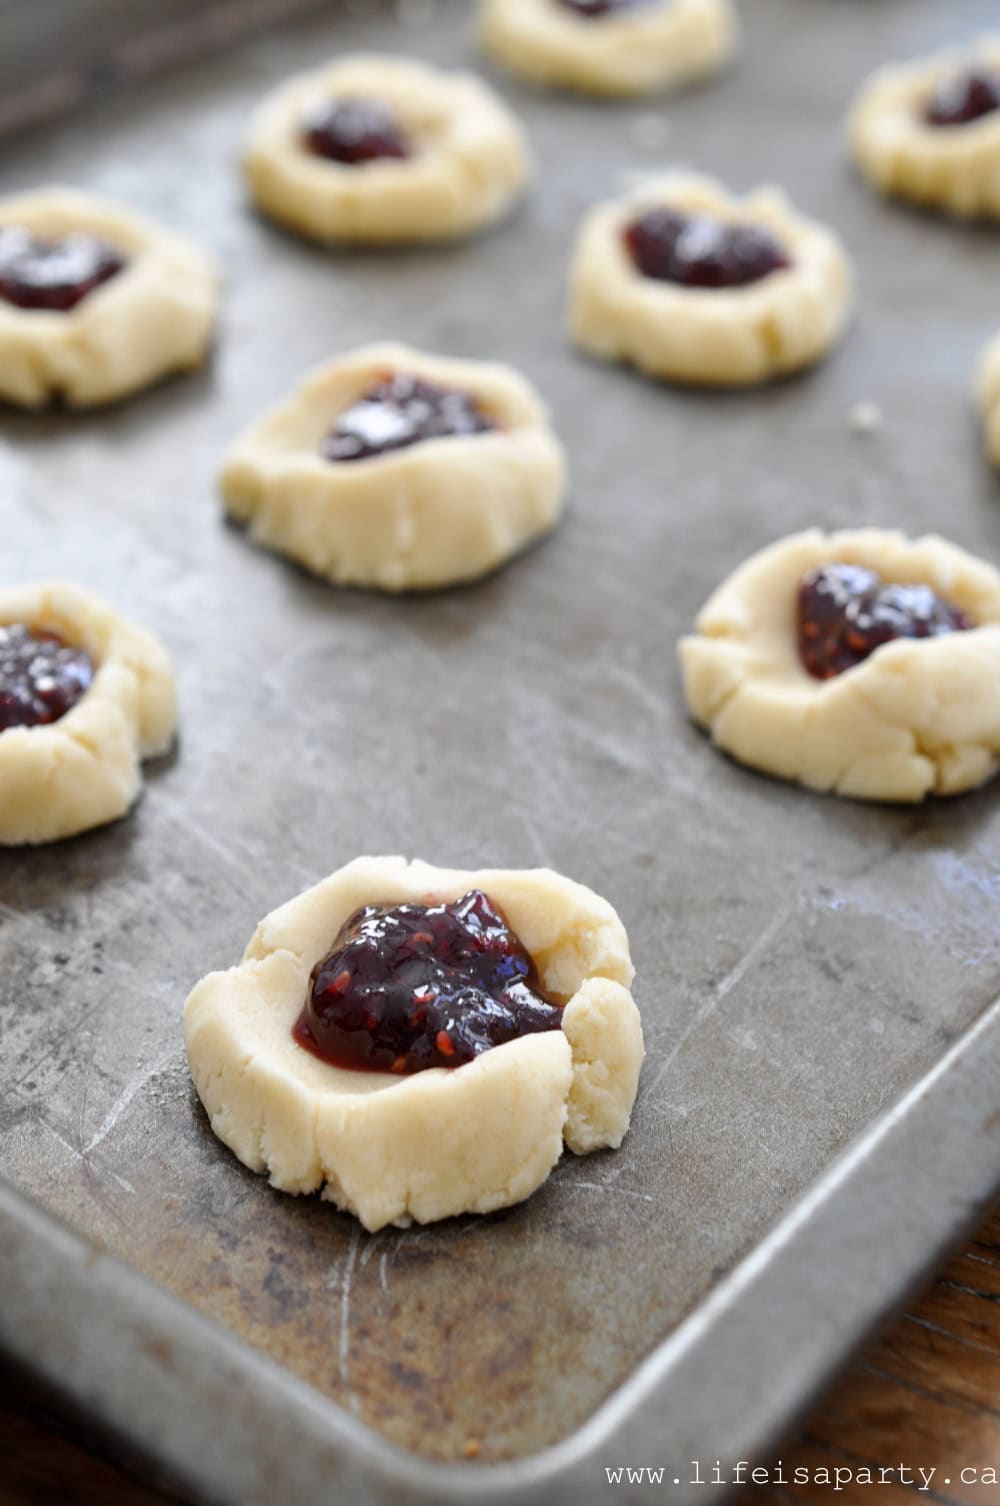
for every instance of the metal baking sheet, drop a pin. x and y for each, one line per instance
(808, 969)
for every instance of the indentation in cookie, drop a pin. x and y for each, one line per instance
(41, 677)
(423, 985)
(964, 97)
(845, 612)
(702, 250)
(595, 9)
(400, 410)
(38, 273)
(354, 131)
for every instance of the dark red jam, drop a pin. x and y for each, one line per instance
(845, 613)
(701, 251)
(964, 97)
(592, 9)
(401, 410)
(53, 274)
(416, 986)
(353, 131)
(41, 677)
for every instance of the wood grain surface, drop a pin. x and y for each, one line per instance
(926, 1396)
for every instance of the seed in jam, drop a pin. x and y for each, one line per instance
(36, 273)
(354, 131)
(399, 411)
(846, 612)
(964, 97)
(701, 251)
(413, 986)
(592, 9)
(41, 677)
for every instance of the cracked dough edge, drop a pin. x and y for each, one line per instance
(440, 1142)
(912, 719)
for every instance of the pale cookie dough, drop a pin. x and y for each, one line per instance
(918, 716)
(153, 317)
(953, 168)
(718, 337)
(988, 394)
(440, 1142)
(469, 164)
(84, 769)
(631, 52)
(439, 511)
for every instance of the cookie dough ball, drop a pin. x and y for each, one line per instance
(399, 470)
(610, 47)
(693, 285)
(401, 1144)
(929, 131)
(96, 301)
(988, 394)
(374, 150)
(861, 662)
(85, 696)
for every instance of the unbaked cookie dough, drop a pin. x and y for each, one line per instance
(422, 515)
(916, 717)
(626, 50)
(442, 1141)
(719, 336)
(454, 162)
(153, 316)
(82, 770)
(953, 167)
(988, 394)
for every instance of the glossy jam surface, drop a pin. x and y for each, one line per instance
(963, 98)
(53, 274)
(398, 411)
(593, 9)
(846, 612)
(354, 131)
(41, 677)
(701, 251)
(416, 986)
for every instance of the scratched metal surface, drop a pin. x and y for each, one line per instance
(801, 961)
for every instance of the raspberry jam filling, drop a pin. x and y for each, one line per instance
(400, 410)
(845, 612)
(36, 273)
(592, 9)
(411, 986)
(964, 97)
(701, 251)
(41, 677)
(354, 131)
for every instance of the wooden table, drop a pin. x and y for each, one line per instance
(926, 1396)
